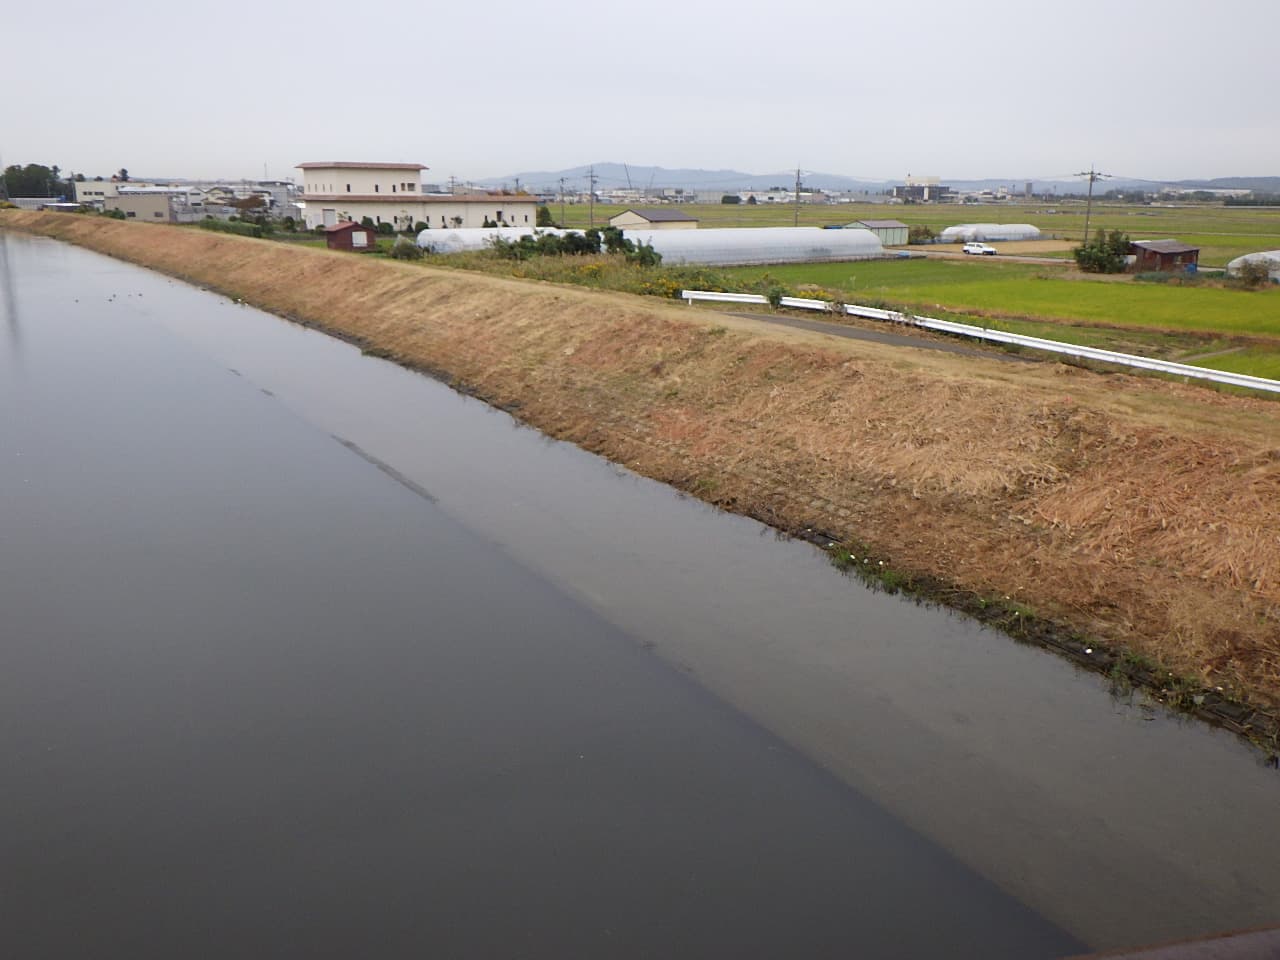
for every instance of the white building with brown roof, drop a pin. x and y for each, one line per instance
(335, 190)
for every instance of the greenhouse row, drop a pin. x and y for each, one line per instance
(464, 239)
(969, 232)
(713, 247)
(724, 246)
(1270, 257)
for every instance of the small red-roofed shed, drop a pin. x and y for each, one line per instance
(349, 235)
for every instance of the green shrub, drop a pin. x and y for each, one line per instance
(405, 249)
(385, 229)
(1104, 254)
(228, 226)
(1254, 274)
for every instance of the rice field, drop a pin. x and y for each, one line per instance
(1114, 313)
(1039, 291)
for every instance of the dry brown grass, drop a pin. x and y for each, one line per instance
(1143, 512)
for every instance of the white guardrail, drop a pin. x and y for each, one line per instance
(1001, 336)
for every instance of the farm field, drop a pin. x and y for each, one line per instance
(1174, 322)
(1221, 232)
(1039, 291)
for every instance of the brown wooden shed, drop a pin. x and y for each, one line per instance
(1170, 255)
(349, 235)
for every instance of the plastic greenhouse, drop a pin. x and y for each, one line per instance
(462, 239)
(722, 246)
(1270, 257)
(965, 232)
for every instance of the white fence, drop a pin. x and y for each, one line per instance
(1000, 336)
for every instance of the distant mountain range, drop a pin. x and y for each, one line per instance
(611, 176)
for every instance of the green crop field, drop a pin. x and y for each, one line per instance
(1242, 328)
(1037, 291)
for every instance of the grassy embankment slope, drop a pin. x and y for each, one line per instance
(1143, 513)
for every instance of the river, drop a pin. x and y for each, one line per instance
(305, 654)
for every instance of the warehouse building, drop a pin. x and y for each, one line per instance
(892, 233)
(653, 220)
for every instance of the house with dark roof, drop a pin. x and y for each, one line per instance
(658, 219)
(1168, 255)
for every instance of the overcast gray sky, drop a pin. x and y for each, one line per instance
(1003, 88)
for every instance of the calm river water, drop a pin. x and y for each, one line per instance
(303, 654)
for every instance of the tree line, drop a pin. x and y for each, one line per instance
(37, 180)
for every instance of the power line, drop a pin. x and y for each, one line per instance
(591, 196)
(1093, 176)
(796, 220)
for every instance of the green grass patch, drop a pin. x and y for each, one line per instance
(1254, 361)
(1039, 292)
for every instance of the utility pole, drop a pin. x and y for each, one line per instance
(591, 197)
(562, 202)
(451, 180)
(1093, 176)
(796, 221)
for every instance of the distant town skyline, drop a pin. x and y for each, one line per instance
(1012, 88)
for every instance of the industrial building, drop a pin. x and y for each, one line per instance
(392, 193)
(923, 190)
(151, 207)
